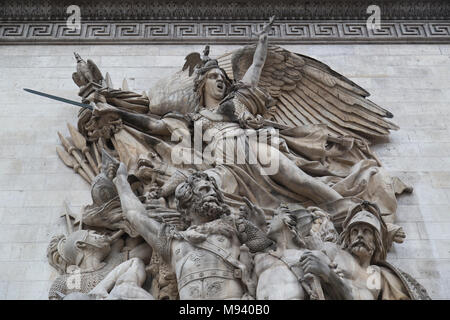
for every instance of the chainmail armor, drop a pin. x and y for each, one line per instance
(88, 280)
(250, 235)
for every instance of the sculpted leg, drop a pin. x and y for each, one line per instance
(293, 178)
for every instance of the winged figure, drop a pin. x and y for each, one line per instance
(306, 91)
(231, 139)
(318, 126)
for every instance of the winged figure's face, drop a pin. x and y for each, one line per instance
(215, 84)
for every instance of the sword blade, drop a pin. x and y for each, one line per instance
(75, 103)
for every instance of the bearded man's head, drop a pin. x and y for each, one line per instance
(362, 237)
(200, 197)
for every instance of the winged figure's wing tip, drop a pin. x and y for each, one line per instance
(193, 56)
(91, 63)
(188, 65)
(366, 93)
(192, 60)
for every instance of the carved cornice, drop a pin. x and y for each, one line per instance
(55, 10)
(224, 32)
(299, 21)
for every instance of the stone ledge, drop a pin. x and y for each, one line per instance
(235, 32)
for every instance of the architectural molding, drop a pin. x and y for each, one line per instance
(235, 21)
(149, 10)
(224, 32)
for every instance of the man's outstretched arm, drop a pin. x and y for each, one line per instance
(134, 211)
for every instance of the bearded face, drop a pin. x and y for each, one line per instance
(362, 240)
(205, 202)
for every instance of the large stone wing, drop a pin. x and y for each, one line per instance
(95, 71)
(78, 80)
(174, 93)
(192, 60)
(307, 91)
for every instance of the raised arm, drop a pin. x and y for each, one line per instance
(134, 211)
(253, 73)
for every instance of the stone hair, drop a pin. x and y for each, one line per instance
(184, 192)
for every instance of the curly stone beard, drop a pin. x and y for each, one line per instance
(208, 207)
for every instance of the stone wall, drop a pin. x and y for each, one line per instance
(409, 80)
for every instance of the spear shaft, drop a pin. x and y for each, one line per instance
(50, 96)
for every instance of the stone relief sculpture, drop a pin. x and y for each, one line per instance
(248, 176)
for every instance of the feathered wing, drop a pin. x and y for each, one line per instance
(95, 71)
(309, 92)
(174, 93)
(77, 79)
(192, 60)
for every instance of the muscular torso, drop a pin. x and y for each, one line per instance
(276, 281)
(204, 275)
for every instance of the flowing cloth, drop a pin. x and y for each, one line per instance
(351, 169)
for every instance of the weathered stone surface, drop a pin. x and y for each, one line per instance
(410, 80)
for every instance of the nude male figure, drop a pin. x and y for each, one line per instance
(284, 274)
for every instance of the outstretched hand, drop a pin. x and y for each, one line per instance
(267, 27)
(399, 236)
